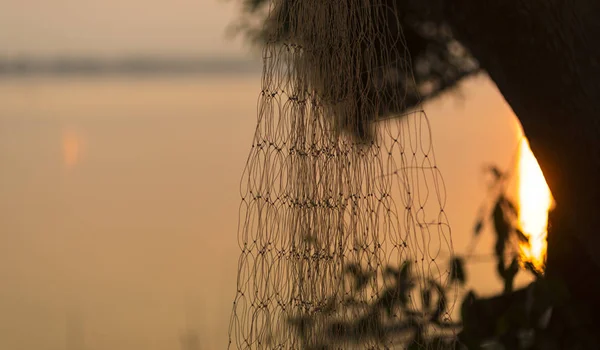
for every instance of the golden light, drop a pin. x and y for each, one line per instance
(72, 148)
(535, 200)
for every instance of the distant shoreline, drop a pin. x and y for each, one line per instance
(25, 67)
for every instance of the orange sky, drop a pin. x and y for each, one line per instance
(116, 27)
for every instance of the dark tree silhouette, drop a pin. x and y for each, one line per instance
(544, 56)
(545, 59)
(439, 60)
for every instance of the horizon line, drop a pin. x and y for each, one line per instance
(136, 65)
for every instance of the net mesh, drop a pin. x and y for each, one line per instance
(342, 228)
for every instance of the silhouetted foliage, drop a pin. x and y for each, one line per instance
(439, 61)
(390, 315)
(457, 270)
(511, 319)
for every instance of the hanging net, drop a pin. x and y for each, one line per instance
(343, 235)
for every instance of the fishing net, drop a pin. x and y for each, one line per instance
(343, 235)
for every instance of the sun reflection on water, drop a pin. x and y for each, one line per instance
(72, 147)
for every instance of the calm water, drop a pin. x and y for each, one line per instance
(119, 199)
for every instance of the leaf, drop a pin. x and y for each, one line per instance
(440, 308)
(501, 227)
(329, 306)
(388, 300)
(531, 268)
(501, 270)
(354, 269)
(405, 272)
(302, 324)
(495, 172)
(426, 296)
(400, 292)
(513, 269)
(418, 340)
(478, 227)
(522, 237)
(509, 275)
(338, 329)
(405, 283)
(310, 240)
(391, 271)
(512, 207)
(466, 309)
(457, 270)
(361, 278)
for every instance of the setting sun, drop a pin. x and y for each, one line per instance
(535, 200)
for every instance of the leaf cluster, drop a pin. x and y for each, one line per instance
(439, 61)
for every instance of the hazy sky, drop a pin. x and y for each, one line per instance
(117, 27)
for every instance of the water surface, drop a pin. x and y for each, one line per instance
(119, 200)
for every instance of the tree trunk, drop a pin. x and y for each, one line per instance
(544, 56)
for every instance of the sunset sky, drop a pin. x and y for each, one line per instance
(117, 28)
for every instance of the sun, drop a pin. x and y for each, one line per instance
(535, 201)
